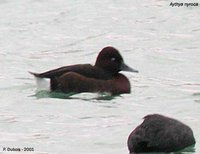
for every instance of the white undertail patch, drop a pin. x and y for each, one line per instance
(42, 84)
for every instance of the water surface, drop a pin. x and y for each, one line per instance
(36, 35)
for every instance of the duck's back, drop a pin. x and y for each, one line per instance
(86, 70)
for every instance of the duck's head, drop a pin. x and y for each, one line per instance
(111, 61)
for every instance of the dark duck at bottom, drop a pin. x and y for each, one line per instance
(158, 133)
(104, 76)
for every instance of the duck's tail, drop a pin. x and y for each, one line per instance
(35, 74)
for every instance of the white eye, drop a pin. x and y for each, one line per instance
(113, 59)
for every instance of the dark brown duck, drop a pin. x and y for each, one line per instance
(158, 133)
(104, 76)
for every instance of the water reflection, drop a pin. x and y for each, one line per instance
(82, 96)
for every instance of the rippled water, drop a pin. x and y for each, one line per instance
(36, 35)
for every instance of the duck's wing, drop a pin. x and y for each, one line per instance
(86, 70)
(62, 70)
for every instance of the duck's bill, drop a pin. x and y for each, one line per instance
(125, 67)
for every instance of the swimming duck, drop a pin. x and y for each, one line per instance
(104, 76)
(158, 133)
